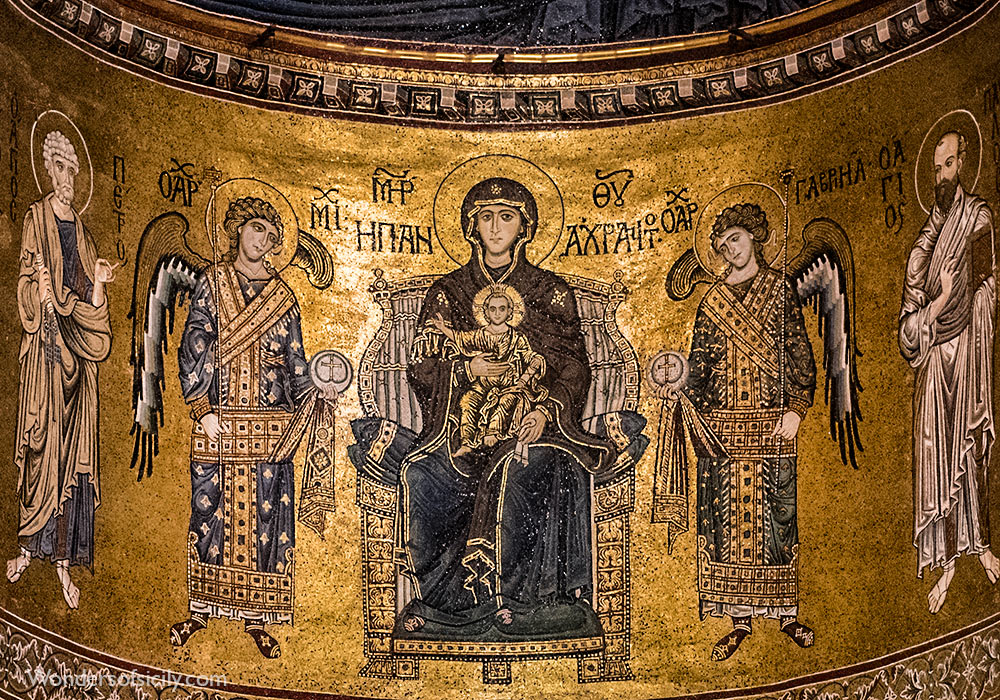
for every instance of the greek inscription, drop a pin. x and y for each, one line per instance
(320, 208)
(12, 153)
(178, 181)
(680, 195)
(611, 238)
(611, 187)
(394, 237)
(679, 217)
(632, 236)
(390, 188)
(891, 156)
(891, 160)
(991, 106)
(816, 184)
(118, 193)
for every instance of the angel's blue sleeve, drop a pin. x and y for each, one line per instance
(285, 377)
(196, 354)
(295, 357)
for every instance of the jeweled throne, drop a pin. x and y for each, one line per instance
(385, 395)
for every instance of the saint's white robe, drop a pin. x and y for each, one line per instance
(953, 427)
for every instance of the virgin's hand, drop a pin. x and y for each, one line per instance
(213, 427)
(789, 426)
(480, 366)
(531, 427)
(438, 323)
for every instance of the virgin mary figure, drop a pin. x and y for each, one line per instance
(497, 540)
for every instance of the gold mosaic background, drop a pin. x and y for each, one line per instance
(858, 585)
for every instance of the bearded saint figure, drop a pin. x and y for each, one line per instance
(946, 335)
(66, 332)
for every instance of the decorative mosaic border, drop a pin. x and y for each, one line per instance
(962, 665)
(415, 96)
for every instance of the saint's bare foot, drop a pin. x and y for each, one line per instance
(935, 599)
(17, 565)
(991, 564)
(69, 590)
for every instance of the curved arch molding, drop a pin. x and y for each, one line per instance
(958, 665)
(375, 89)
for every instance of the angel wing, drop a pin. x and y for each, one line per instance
(823, 276)
(312, 257)
(684, 275)
(166, 271)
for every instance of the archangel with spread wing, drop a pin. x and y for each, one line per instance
(244, 375)
(748, 385)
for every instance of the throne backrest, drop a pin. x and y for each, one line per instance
(382, 382)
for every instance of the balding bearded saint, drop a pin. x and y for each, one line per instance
(66, 332)
(946, 334)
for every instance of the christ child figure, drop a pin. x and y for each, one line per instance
(494, 406)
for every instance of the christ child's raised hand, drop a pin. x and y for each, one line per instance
(441, 326)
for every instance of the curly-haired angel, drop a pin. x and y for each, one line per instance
(244, 375)
(750, 382)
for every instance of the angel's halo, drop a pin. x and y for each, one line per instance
(237, 188)
(764, 196)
